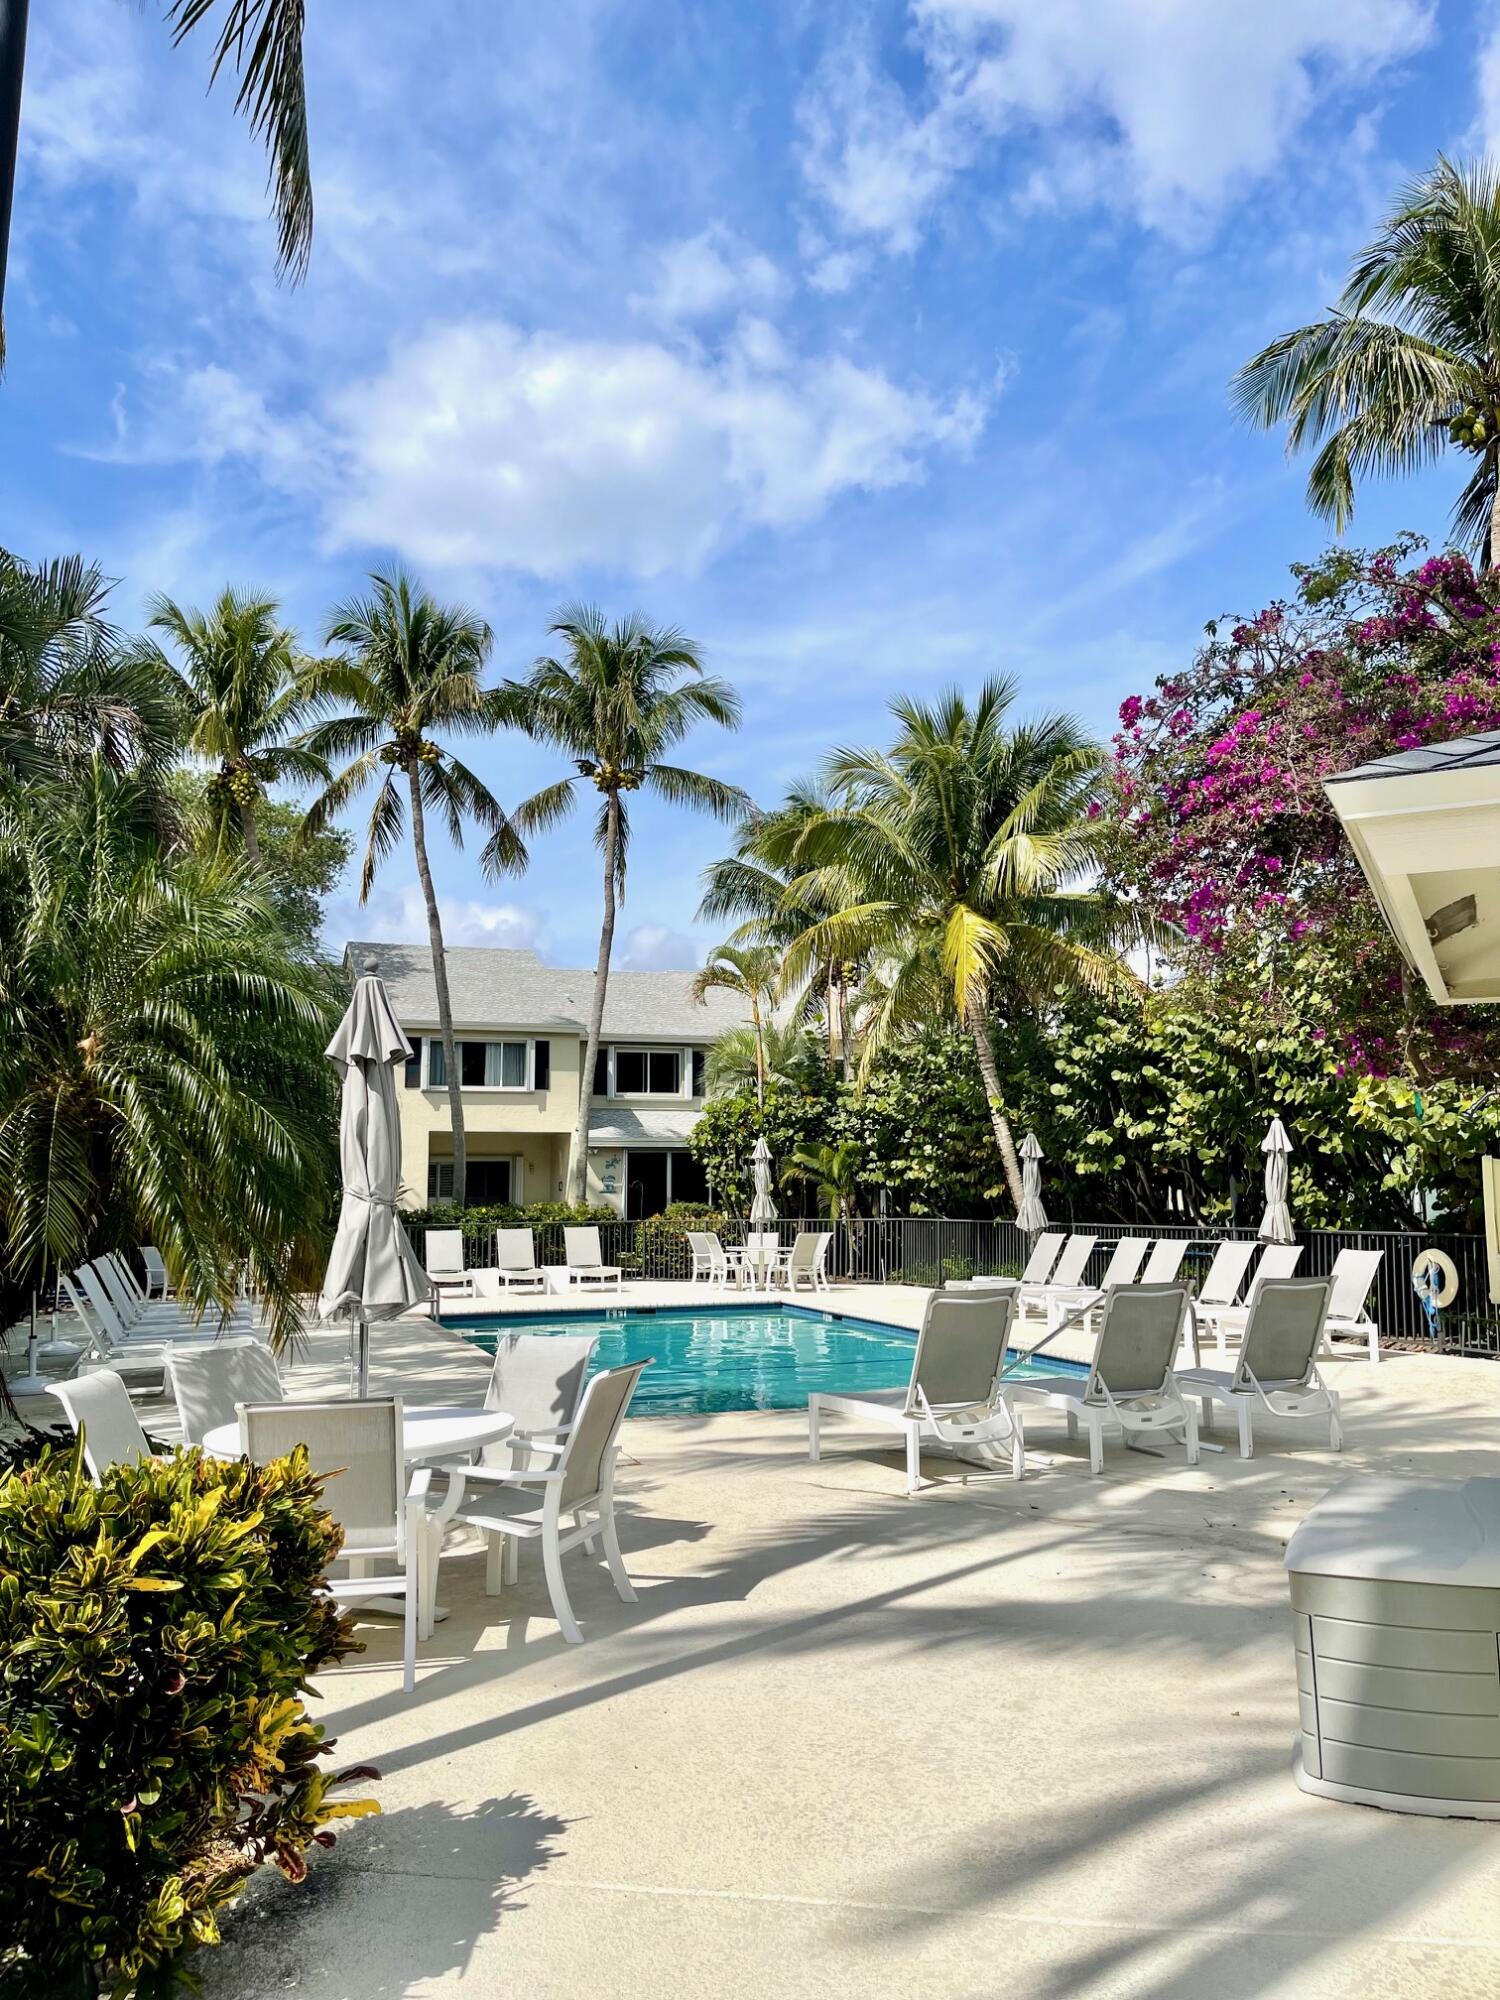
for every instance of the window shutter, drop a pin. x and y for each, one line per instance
(414, 1063)
(698, 1064)
(541, 1074)
(601, 1073)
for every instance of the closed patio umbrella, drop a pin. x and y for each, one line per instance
(372, 1273)
(1031, 1216)
(762, 1208)
(1276, 1223)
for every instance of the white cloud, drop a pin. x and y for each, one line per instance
(399, 915)
(479, 444)
(707, 275)
(1167, 107)
(659, 948)
(1487, 79)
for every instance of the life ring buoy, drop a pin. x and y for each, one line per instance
(1444, 1288)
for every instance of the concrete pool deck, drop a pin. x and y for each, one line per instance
(1000, 1739)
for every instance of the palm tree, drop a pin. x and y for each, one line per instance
(239, 685)
(963, 859)
(751, 971)
(624, 694)
(834, 1174)
(408, 666)
(69, 692)
(161, 1056)
(752, 884)
(1408, 361)
(262, 42)
(749, 1059)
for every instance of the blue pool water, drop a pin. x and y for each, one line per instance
(725, 1359)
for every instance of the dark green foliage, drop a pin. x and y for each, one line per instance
(725, 1134)
(156, 1634)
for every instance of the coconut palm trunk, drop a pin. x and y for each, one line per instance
(248, 833)
(1492, 547)
(760, 1052)
(578, 1173)
(979, 1030)
(440, 981)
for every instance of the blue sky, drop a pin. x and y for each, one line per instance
(877, 347)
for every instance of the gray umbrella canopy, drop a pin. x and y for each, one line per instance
(372, 1273)
(762, 1208)
(1276, 1223)
(1031, 1216)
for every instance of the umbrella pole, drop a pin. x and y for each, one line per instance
(362, 1357)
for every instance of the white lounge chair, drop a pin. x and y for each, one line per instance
(1131, 1385)
(99, 1408)
(807, 1263)
(1277, 1368)
(1123, 1268)
(1226, 1323)
(1044, 1255)
(443, 1253)
(1067, 1275)
(511, 1507)
(159, 1318)
(1226, 1273)
(515, 1260)
(710, 1265)
(209, 1384)
(586, 1265)
(1352, 1276)
(954, 1396)
(380, 1511)
(1165, 1261)
(158, 1281)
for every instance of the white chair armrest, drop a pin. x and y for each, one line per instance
(421, 1480)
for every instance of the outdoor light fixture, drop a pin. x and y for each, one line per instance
(1425, 826)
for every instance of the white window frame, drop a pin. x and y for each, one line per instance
(527, 1042)
(515, 1161)
(683, 1094)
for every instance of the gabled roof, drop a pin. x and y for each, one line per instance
(1458, 753)
(494, 988)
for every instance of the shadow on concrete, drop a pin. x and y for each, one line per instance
(344, 1933)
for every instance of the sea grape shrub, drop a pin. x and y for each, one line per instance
(1223, 825)
(156, 1635)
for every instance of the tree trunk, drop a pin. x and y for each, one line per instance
(248, 834)
(845, 1052)
(831, 1021)
(979, 1029)
(760, 1052)
(444, 1004)
(1492, 540)
(578, 1168)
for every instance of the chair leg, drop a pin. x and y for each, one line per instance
(512, 1559)
(557, 1589)
(913, 1459)
(1017, 1448)
(814, 1442)
(1247, 1440)
(613, 1557)
(1206, 1421)
(1374, 1342)
(591, 1547)
(495, 1553)
(409, 1636)
(1072, 1417)
(431, 1545)
(1335, 1428)
(1096, 1445)
(1190, 1430)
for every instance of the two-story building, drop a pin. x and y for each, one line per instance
(521, 1029)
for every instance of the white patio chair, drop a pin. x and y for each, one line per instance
(710, 1265)
(1225, 1274)
(515, 1260)
(1352, 1276)
(954, 1396)
(209, 1384)
(443, 1253)
(1165, 1261)
(380, 1511)
(585, 1258)
(1277, 1369)
(99, 1408)
(1131, 1382)
(807, 1263)
(1123, 1268)
(1226, 1323)
(1067, 1274)
(511, 1507)
(158, 1282)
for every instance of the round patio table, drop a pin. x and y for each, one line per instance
(434, 1431)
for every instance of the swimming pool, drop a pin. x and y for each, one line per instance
(725, 1358)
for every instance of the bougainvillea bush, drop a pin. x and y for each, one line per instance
(156, 1634)
(1225, 828)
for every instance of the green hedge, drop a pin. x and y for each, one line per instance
(156, 1633)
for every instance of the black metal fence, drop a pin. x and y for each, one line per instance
(932, 1250)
